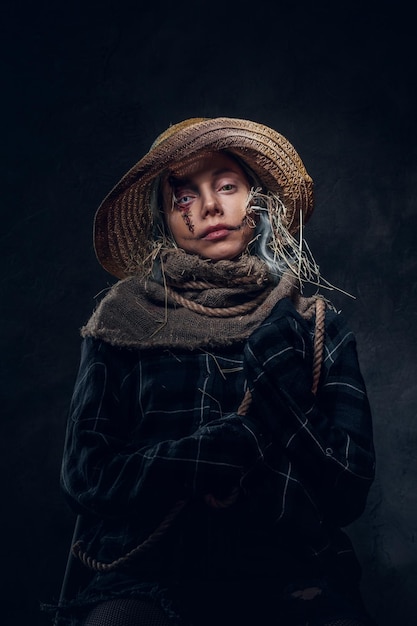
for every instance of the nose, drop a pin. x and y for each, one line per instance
(210, 203)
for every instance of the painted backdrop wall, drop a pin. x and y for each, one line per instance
(86, 88)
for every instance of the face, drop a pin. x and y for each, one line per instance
(205, 207)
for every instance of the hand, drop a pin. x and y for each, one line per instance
(278, 361)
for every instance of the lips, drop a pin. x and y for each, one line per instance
(217, 232)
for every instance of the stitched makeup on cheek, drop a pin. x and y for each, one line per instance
(186, 216)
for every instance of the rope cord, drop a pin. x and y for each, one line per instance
(210, 499)
(231, 311)
(205, 284)
(153, 538)
(318, 342)
(318, 347)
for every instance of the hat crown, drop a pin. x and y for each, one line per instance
(174, 128)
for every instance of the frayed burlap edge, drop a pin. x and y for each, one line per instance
(140, 314)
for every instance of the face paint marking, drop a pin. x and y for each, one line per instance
(186, 216)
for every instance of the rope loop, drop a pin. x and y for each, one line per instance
(239, 309)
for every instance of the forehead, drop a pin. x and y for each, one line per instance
(205, 162)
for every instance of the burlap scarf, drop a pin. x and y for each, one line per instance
(143, 313)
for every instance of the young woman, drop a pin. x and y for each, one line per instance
(220, 435)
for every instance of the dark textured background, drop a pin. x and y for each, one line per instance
(85, 89)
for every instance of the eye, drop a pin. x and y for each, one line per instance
(183, 199)
(226, 187)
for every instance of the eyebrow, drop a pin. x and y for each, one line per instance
(225, 170)
(177, 182)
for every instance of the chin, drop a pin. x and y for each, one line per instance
(232, 256)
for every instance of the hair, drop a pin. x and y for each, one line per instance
(276, 246)
(260, 245)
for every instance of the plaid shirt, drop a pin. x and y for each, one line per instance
(149, 428)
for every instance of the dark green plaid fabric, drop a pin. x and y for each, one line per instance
(148, 428)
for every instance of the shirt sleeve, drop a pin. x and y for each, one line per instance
(328, 437)
(104, 473)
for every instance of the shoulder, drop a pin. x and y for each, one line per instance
(119, 295)
(116, 312)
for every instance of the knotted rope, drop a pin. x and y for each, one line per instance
(210, 499)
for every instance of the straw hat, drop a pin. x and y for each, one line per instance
(123, 225)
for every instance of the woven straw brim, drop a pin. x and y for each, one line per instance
(123, 224)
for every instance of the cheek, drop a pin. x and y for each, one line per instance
(239, 205)
(248, 227)
(177, 223)
(249, 232)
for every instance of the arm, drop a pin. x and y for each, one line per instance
(105, 473)
(328, 436)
